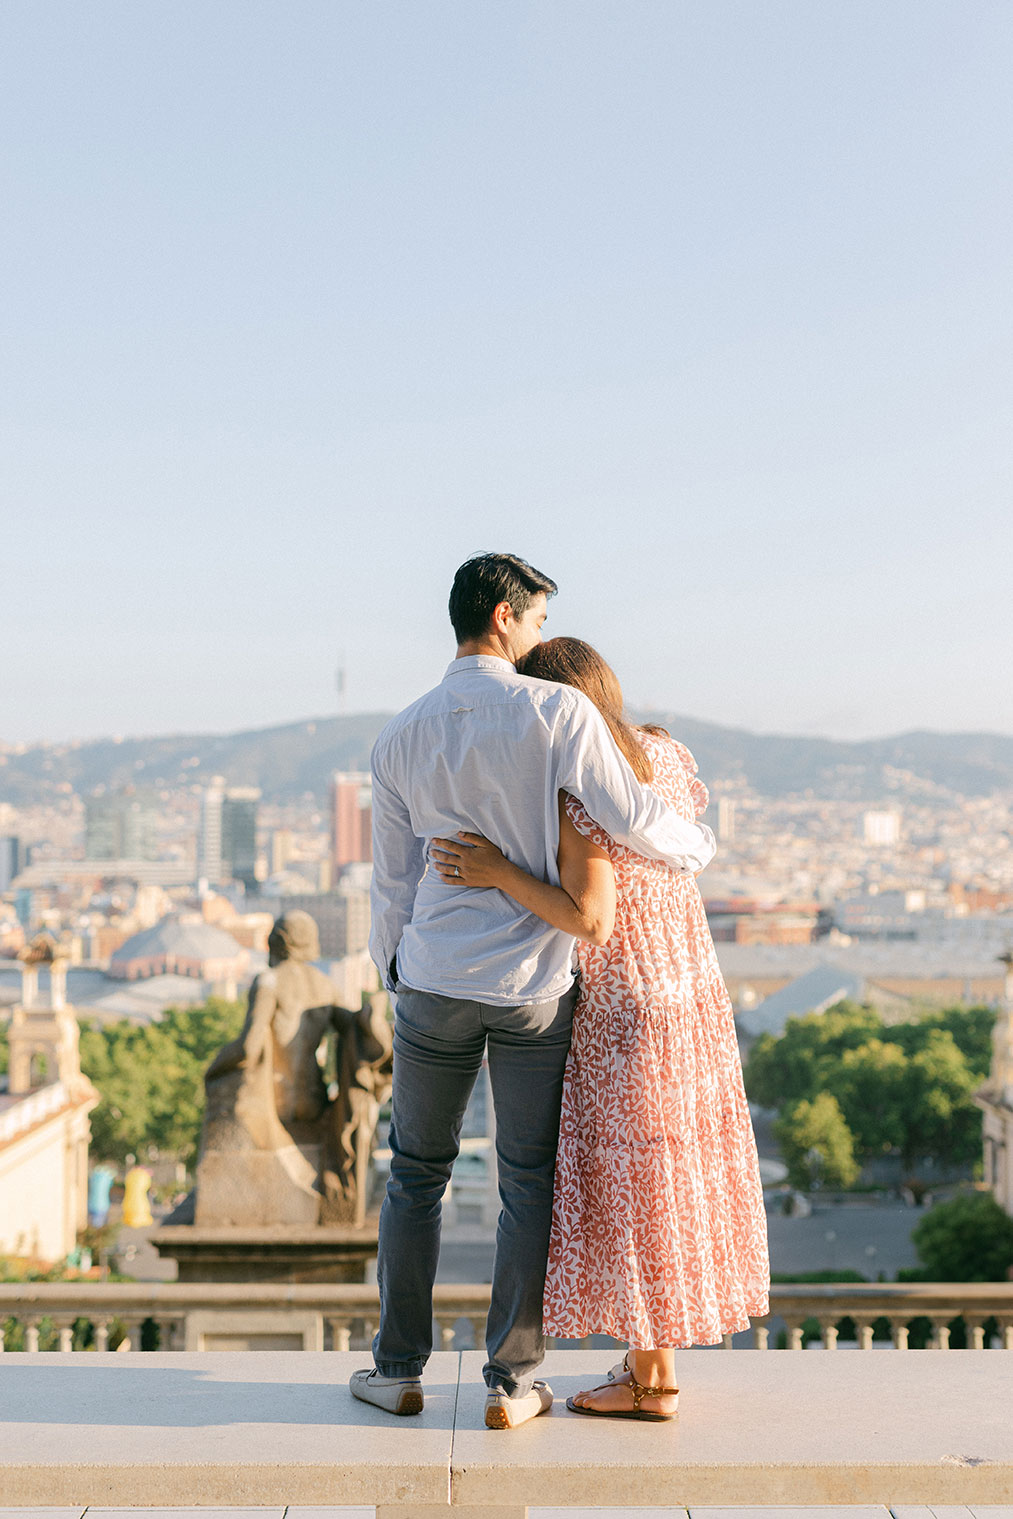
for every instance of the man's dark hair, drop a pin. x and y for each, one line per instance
(483, 582)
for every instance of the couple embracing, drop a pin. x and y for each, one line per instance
(515, 811)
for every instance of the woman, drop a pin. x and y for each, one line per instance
(658, 1231)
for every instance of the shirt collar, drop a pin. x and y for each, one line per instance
(479, 662)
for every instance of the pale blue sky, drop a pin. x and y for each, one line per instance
(704, 308)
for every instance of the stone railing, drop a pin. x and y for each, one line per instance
(31, 1109)
(893, 1308)
(223, 1316)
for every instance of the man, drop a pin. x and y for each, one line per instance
(488, 751)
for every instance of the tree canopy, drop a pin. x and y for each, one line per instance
(901, 1089)
(968, 1239)
(151, 1077)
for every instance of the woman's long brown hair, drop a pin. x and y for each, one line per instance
(572, 662)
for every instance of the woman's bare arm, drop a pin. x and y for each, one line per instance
(584, 904)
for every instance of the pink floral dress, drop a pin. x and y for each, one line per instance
(658, 1230)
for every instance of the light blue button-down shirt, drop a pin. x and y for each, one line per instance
(489, 751)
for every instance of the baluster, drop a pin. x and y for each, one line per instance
(477, 1322)
(32, 1334)
(828, 1329)
(131, 1335)
(447, 1334)
(761, 1337)
(1006, 1333)
(899, 1333)
(3, 1335)
(976, 1335)
(368, 1331)
(940, 1334)
(864, 1332)
(726, 1342)
(65, 1328)
(166, 1333)
(101, 1334)
(341, 1334)
(794, 1328)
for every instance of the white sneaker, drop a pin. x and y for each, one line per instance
(397, 1395)
(504, 1412)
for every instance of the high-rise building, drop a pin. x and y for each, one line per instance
(11, 860)
(342, 919)
(239, 835)
(227, 840)
(209, 836)
(351, 817)
(281, 849)
(726, 820)
(881, 829)
(120, 825)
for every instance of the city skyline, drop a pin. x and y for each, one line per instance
(705, 311)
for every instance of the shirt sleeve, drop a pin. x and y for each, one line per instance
(398, 866)
(593, 770)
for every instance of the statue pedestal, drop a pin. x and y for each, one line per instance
(268, 1253)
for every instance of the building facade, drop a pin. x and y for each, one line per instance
(227, 836)
(120, 825)
(11, 860)
(995, 1098)
(351, 817)
(44, 1128)
(239, 835)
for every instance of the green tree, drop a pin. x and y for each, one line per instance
(969, 1027)
(151, 1078)
(869, 1083)
(789, 1068)
(905, 1089)
(817, 1128)
(968, 1239)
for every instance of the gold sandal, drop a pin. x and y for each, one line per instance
(638, 1391)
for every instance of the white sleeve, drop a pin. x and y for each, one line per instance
(592, 768)
(398, 865)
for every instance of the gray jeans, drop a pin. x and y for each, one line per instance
(438, 1047)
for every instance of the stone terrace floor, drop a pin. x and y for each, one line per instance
(919, 1434)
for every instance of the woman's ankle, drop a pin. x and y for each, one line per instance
(652, 1368)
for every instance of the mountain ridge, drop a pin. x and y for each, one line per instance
(290, 759)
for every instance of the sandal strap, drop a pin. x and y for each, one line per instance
(640, 1392)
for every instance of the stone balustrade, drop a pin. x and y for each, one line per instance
(195, 1316)
(30, 1109)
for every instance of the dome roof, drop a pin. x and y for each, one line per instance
(182, 938)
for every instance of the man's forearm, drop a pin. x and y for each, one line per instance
(631, 813)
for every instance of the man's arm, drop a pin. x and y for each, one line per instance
(398, 864)
(592, 768)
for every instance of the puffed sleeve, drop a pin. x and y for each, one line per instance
(697, 790)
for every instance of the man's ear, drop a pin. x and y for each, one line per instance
(502, 616)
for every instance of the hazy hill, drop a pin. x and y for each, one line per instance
(299, 757)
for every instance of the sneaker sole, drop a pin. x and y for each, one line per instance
(409, 1403)
(497, 1418)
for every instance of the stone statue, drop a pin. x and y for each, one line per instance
(274, 1148)
(363, 1085)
